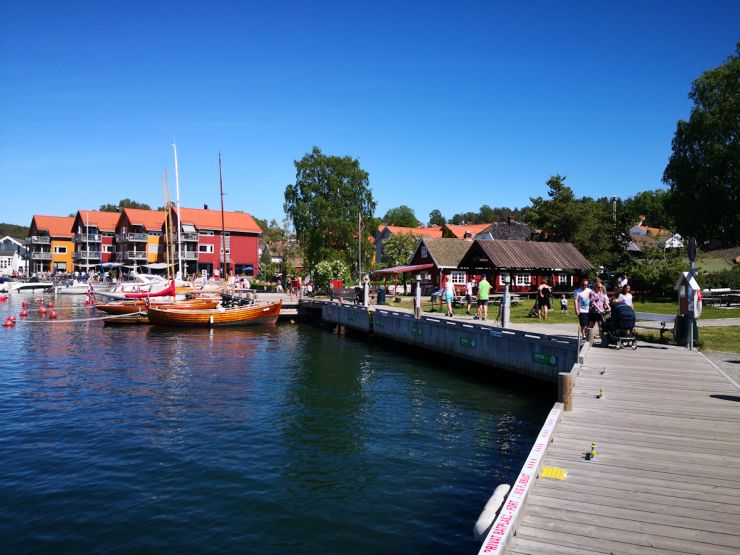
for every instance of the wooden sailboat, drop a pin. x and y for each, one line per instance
(139, 305)
(248, 315)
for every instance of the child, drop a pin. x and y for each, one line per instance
(563, 305)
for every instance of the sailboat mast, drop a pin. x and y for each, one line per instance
(87, 242)
(177, 203)
(223, 223)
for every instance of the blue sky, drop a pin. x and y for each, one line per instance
(447, 105)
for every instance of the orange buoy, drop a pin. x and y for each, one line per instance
(53, 314)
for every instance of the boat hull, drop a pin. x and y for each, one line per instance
(238, 316)
(131, 307)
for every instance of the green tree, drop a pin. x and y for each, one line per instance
(402, 216)
(324, 203)
(585, 222)
(271, 232)
(703, 171)
(398, 248)
(655, 272)
(124, 203)
(653, 205)
(436, 218)
(15, 231)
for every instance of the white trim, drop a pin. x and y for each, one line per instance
(504, 524)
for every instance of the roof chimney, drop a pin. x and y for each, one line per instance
(467, 235)
(509, 219)
(205, 207)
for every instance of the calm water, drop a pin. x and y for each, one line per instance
(262, 440)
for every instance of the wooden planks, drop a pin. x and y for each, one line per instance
(667, 478)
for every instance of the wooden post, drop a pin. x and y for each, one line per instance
(565, 390)
(590, 335)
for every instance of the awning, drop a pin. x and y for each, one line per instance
(188, 228)
(111, 265)
(404, 269)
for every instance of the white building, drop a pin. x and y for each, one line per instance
(13, 256)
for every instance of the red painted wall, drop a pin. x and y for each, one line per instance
(244, 250)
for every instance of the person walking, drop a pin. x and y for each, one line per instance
(544, 291)
(582, 304)
(484, 289)
(449, 295)
(468, 295)
(625, 295)
(599, 307)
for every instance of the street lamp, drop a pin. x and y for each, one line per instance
(505, 301)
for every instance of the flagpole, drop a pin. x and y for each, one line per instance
(359, 248)
(177, 199)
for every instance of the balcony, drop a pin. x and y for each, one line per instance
(84, 255)
(87, 238)
(39, 240)
(188, 255)
(132, 237)
(134, 255)
(40, 256)
(186, 238)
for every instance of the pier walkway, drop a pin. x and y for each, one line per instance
(667, 474)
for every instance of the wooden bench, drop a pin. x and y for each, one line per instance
(664, 319)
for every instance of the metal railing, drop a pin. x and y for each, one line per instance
(135, 255)
(188, 255)
(87, 238)
(133, 237)
(39, 240)
(40, 256)
(84, 255)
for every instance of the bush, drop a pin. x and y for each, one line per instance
(656, 273)
(716, 280)
(327, 270)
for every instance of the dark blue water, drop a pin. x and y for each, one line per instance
(255, 440)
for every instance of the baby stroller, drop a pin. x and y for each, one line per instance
(618, 327)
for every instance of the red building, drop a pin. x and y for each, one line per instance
(94, 236)
(201, 240)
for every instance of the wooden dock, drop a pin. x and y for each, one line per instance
(667, 474)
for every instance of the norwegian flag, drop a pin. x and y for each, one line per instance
(91, 296)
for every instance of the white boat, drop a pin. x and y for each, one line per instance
(28, 286)
(144, 283)
(78, 288)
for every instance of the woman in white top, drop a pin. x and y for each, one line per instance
(626, 296)
(449, 295)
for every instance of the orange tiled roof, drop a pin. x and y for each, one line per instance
(57, 226)
(459, 230)
(104, 221)
(151, 220)
(655, 231)
(435, 231)
(211, 219)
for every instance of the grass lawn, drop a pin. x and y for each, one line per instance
(710, 339)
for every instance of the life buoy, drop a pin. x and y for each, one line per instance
(697, 303)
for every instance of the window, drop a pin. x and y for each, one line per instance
(153, 248)
(523, 279)
(561, 279)
(205, 233)
(60, 250)
(228, 251)
(108, 248)
(424, 252)
(205, 248)
(458, 278)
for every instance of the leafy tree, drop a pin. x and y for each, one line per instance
(487, 215)
(653, 205)
(398, 248)
(124, 203)
(655, 272)
(703, 171)
(585, 222)
(402, 216)
(436, 218)
(271, 232)
(327, 270)
(324, 203)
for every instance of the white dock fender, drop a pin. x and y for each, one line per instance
(488, 515)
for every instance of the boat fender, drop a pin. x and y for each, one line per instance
(488, 514)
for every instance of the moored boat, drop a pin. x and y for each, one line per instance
(253, 314)
(139, 305)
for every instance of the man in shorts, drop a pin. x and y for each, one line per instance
(484, 288)
(582, 304)
(468, 295)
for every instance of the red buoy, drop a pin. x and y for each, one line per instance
(12, 317)
(8, 323)
(24, 313)
(39, 299)
(50, 304)
(24, 304)
(42, 310)
(53, 314)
